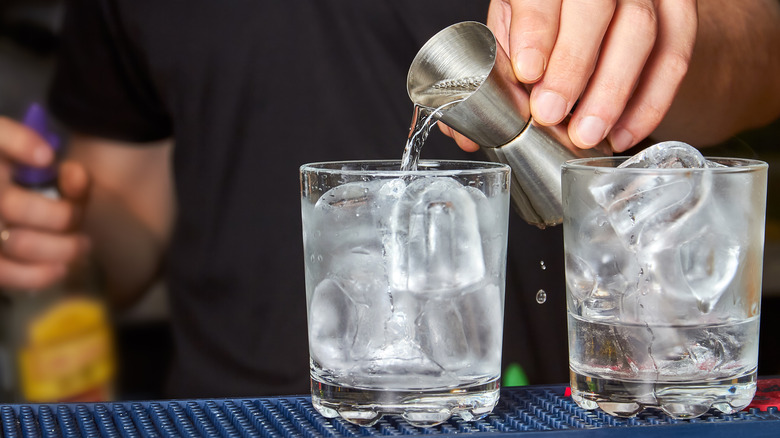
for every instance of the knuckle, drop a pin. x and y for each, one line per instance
(600, 5)
(653, 113)
(675, 64)
(535, 24)
(568, 75)
(614, 92)
(641, 16)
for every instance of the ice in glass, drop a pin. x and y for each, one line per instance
(405, 285)
(663, 273)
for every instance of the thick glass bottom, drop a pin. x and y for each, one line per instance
(691, 399)
(422, 408)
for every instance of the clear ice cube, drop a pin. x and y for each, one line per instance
(345, 308)
(602, 271)
(435, 239)
(458, 332)
(349, 218)
(674, 229)
(667, 155)
(704, 261)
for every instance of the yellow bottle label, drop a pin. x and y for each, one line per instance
(68, 354)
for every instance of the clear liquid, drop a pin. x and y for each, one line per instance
(424, 118)
(425, 365)
(683, 370)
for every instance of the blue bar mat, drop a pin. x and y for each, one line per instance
(534, 411)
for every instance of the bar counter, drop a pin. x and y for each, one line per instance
(527, 411)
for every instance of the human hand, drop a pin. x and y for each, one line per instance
(621, 61)
(39, 236)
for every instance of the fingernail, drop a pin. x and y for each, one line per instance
(620, 139)
(549, 107)
(530, 64)
(591, 130)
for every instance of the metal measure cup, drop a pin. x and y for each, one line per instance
(465, 63)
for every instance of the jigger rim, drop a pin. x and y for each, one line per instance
(412, 89)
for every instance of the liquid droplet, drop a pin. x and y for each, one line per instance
(541, 296)
(544, 267)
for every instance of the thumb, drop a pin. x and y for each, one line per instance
(74, 181)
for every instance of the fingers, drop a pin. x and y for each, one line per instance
(19, 206)
(21, 144)
(626, 47)
(28, 277)
(621, 61)
(36, 239)
(583, 25)
(532, 35)
(465, 143)
(662, 75)
(31, 246)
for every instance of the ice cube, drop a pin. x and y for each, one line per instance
(643, 208)
(667, 155)
(440, 333)
(681, 242)
(400, 352)
(492, 230)
(601, 271)
(704, 261)
(481, 310)
(345, 217)
(347, 309)
(348, 218)
(463, 331)
(435, 239)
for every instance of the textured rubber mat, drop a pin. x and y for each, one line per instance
(542, 411)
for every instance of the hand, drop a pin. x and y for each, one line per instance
(39, 236)
(622, 59)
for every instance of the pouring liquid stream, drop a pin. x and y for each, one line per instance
(423, 121)
(424, 117)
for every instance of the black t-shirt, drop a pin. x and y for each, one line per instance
(250, 90)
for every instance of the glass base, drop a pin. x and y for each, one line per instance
(422, 408)
(623, 398)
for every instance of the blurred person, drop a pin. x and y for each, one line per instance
(190, 120)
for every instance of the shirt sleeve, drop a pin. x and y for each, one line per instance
(100, 85)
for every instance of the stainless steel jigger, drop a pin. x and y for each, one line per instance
(465, 63)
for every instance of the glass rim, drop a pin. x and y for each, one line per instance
(393, 167)
(733, 165)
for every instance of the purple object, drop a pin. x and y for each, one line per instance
(30, 176)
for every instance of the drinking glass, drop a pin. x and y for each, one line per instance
(663, 284)
(405, 287)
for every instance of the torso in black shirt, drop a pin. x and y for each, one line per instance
(250, 90)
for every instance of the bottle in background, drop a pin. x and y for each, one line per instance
(58, 343)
